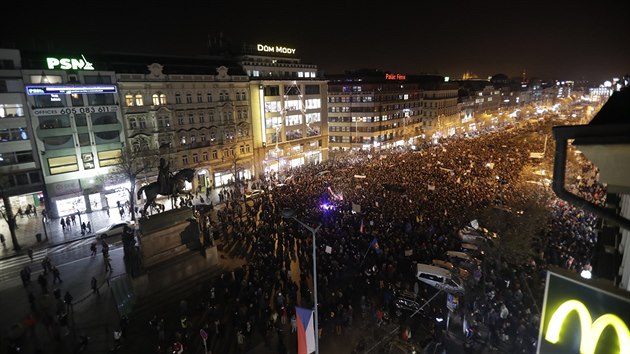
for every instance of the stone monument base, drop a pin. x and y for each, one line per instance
(171, 251)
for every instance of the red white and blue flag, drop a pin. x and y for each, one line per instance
(305, 330)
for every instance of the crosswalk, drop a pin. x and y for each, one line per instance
(59, 254)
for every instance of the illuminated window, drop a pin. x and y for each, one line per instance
(63, 164)
(139, 100)
(110, 157)
(155, 99)
(162, 98)
(128, 100)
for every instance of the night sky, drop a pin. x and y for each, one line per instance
(566, 40)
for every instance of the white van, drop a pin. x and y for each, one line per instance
(439, 278)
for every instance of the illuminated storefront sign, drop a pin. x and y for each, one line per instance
(74, 110)
(590, 331)
(582, 316)
(395, 77)
(69, 63)
(274, 49)
(69, 89)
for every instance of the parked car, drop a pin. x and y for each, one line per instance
(439, 278)
(114, 229)
(254, 193)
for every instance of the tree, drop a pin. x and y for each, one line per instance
(7, 211)
(132, 163)
(520, 226)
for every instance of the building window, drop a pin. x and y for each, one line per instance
(164, 122)
(211, 117)
(191, 118)
(110, 157)
(204, 155)
(209, 97)
(155, 99)
(195, 158)
(162, 98)
(221, 97)
(128, 100)
(188, 98)
(142, 123)
(202, 137)
(180, 118)
(139, 100)
(202, 117)
(182, 139)
(63, 164)
(215, 155)
(199, 97)
(133, 124)
(242, 149)
(185, 160)
(247, 148)
(178, 98)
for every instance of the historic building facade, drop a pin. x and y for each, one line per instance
(193, 113)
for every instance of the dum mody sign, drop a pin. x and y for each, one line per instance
(69, 63)
(274, 49)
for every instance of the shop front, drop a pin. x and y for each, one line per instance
(115, 195)
(227, 177)
(203, 180)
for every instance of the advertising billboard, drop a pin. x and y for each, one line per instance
(583, 316)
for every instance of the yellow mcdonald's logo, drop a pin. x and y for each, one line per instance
(590, 331)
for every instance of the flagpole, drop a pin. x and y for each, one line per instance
(366, 252)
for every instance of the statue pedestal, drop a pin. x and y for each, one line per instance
(171, 251)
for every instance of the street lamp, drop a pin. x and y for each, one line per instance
(290, 214)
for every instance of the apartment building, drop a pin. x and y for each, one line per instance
(21, 182)
(194, 112)
(372, 109)
(77, 127)
(288, 102)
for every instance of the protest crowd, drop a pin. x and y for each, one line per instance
(381, 213)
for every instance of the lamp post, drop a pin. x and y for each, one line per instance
(290, 214)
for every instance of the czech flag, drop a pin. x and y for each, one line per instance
(305, 330)
(375, 245)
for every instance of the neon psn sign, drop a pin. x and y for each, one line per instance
(69, 63)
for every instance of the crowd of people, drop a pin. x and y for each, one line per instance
(411, 203)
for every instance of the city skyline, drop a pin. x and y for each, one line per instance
(560, 40)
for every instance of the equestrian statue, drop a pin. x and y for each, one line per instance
(168, 184)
